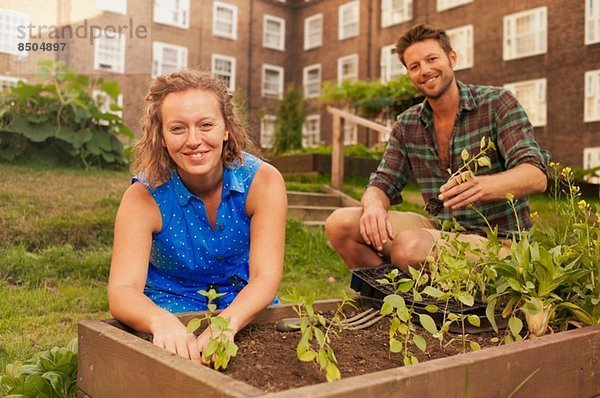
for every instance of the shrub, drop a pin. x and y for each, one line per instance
(61, 119)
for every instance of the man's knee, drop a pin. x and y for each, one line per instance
(411, 248)
(341, 222)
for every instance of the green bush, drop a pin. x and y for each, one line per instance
(60, 119)
(290, 119)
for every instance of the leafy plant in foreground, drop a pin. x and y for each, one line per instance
(315, 344)
(53, 374)
(220, 348)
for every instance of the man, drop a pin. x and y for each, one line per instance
(427, 140)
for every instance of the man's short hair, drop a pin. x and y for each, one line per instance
(419, 33)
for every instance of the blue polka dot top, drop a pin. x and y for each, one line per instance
(188, 254)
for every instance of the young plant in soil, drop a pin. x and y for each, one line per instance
(402, 329)
(315, 344)
(469, 169)
(220, 347)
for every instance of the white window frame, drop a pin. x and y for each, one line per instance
(226, 58)
(344, 25)
(267, 137)
(341, 61)
(9, 35)
(443, 5)
(215, 26)
(310, 137)
(390, 66)
(538, 32)
(272, 93)
(592, 21)
(116, 6)
(313, 38)
(536, 109)
(312, 88)
(104, 101)
(9, 82)
(394, 12)
(280, 45)
(158, 61)
(116, 66)
(172, 12)
(464, 47)
(350, 133)
(591, 159)
(591, 102)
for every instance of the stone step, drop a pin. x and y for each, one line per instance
(296, 198)
(311, 213)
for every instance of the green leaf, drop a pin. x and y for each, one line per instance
(482, 143)
(111, 88)
(433, 292)
(515, 325)
(428, 323)
(33, 132)
(193, 325)
(414, 360)
(432, 308)
(394, 300)
(474, 320)
(484, 161)
(420, 342)
(490, 313)
(466, 299)
(210, 349)
(474, 346)
(307, 356)
(395, 345)
(332, 372)
(320, 336)
(464, 154)
(386, 309)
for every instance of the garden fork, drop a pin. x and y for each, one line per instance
(359, 321)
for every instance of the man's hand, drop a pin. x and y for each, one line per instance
(457, 195)
(375, 227)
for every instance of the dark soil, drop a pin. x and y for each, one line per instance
(267, 358)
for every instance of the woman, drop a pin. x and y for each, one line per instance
(200, 214)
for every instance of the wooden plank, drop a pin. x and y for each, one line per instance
(114, 363)
(562, 365)
(337, 154)
(359, 120)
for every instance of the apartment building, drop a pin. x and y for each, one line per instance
(546, 51)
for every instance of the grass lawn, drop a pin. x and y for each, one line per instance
(55, 249)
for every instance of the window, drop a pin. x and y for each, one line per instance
(9, 82)
(167, 58)
(224, 20)
(395, 11)
(525, 33)
(109, 52)
(118, 6)
(313, 31)
(272, 81)
(350, 133)
(592, 21)
(446, 4)
(268, 124)
(390, 64)
(224, 67)
(591, 111)
(591, 159)
(348, 68)
(462, 42)
(312, 81)
(349, 20)
(532, 95)
(172, 12)
(274, 32)
(107, 104)
(311, 132)
(10, 33)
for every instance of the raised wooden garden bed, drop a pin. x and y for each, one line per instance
(114, 362)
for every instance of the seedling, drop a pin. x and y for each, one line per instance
(220, 347)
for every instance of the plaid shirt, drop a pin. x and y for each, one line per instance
(483, 111)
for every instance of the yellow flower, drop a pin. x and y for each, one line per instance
(552, 164)
(510, 197)
(582, 204)
(535, 216)
(521, 270)
(566, 172)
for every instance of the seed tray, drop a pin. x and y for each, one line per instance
(364, 281)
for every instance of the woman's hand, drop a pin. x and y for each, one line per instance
(169, 333)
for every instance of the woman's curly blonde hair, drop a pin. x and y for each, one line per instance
(150, 158)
